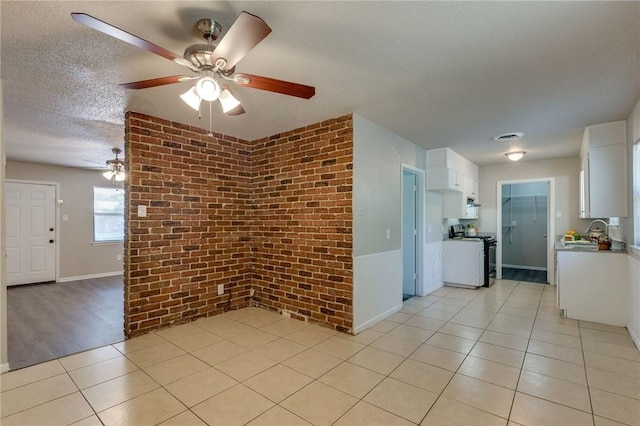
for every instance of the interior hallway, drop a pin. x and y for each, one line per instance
(487, 356)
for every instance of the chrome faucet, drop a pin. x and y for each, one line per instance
(606, 226)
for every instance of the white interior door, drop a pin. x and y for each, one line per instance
(409, 233)
(30, 216)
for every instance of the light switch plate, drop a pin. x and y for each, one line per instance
(142, 210)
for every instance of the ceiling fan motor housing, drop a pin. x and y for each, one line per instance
(200, 55)
(209, 28)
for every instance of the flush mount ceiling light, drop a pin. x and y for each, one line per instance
(508, 137)
(515, 155)
(116, 168)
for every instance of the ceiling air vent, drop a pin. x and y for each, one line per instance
(507, 137)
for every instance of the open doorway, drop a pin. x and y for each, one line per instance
(63, 282)
(411, 231)
(525, 230)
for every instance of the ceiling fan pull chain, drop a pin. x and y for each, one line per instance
(210, 119)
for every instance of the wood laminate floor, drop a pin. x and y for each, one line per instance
(525, 275)
(48, 321)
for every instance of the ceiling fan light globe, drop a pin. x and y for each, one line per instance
(108, 174)
(208, 89)
(228, 101)
(120, 176)
(191, 98)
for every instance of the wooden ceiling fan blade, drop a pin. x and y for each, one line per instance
(245, 34)
(122, 35)
(154, 82)
(273, 85)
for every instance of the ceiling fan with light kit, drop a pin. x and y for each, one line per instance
(114, 168)
(214, 65)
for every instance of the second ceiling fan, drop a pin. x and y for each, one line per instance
(214, 64)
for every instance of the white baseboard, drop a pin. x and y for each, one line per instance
(377, 319)
(634, 337)
(4, 368)
(433, 288)
(529, 268)
(91, 276)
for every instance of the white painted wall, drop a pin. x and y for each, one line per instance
(378, 156)
(566, 172)
(79, 257)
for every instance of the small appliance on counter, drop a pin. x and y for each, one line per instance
(456, 231)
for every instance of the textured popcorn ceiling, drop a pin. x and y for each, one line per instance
(436, 73)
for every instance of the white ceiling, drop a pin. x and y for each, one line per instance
(436, 73)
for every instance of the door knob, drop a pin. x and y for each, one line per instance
(50, 241)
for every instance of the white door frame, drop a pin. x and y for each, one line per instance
(56, 247)
(551, 225)
(420, 174)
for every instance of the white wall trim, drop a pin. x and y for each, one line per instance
(90, 276)
(4, 368)
(420, 222)
(377, 319)
(634, 337)
(433, 288)
(382, 253)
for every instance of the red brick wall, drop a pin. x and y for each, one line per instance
(302, 215)
(274, 215)
(196, 233)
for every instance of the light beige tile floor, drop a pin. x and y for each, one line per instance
(502, 356)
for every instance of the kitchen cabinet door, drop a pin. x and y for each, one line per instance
(470, 187)
(444, 178)
(463, 262)
(607, 181)
(603, 171)
(592, 286)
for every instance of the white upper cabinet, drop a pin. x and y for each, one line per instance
(444, 179)
(603, 171)
(457, 178)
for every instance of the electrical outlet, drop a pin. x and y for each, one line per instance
(220, 289)
(119, 257)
